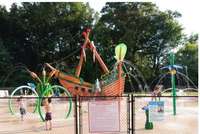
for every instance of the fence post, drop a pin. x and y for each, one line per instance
(80, 114)
(76, 115)
(133, 114)
(128, 114)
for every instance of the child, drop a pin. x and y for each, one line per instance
(48, 118)
(21, 107)
(156, 93)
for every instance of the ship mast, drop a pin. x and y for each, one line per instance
(90, 45)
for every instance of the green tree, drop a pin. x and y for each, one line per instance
(35, 33)
(5, 60)
(44, 32)
(188, 56)
(148, 32)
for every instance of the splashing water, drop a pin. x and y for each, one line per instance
(20, 67)
(133, 76)
(184, 83)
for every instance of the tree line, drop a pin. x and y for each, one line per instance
(32, 34)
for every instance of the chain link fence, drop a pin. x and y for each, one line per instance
(104, 115)
(184, 122)
(99, 115)
(12, 123)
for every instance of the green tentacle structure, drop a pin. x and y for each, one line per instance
(49, 92)
(43, 89)
(13, 93)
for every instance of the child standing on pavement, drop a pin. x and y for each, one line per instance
(48, 116)
(22, 109)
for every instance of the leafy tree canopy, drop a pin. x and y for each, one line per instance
(35, 33)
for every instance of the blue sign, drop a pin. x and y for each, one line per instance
(156, 111)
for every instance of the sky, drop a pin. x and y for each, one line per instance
(188, 8)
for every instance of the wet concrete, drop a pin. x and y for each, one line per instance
(185, 122)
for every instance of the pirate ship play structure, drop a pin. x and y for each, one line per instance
(111, 82)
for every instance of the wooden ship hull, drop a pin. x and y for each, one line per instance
(76, 87)
(111, 85)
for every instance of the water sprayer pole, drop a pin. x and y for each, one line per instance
(172, 58)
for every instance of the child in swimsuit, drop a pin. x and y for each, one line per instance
(48, 117)
(22, 109)
(156, 93)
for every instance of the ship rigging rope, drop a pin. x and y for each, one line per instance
(71, 54)
(62, 59)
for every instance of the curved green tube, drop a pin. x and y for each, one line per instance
(18, 88)
(51, 89)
